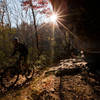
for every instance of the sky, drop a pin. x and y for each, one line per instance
(17, 14)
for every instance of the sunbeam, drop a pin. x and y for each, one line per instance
(53, 18)
(57, 18)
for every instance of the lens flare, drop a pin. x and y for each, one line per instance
(58, 20)
(53, 18)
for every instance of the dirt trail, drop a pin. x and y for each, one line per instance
(62, 82)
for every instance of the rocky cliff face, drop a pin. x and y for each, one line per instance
(83, 20)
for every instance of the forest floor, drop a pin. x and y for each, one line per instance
(69, 80)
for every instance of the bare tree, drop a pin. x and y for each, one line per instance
(2, 12)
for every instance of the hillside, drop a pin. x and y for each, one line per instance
(69, 80)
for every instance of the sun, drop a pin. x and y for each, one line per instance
(53, 18)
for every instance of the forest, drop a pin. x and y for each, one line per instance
(63, 50)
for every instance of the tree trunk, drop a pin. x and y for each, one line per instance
(35, 26)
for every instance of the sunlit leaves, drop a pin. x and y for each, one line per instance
(39, 5)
